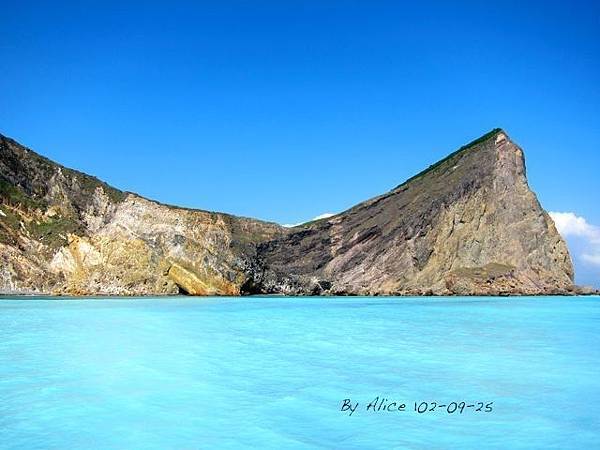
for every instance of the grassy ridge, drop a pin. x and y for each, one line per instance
(471, 144)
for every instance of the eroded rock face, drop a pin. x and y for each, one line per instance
(468, 225)
(67, 233)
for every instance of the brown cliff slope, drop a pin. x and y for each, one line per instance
(467, 225)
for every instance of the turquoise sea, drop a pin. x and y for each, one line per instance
(271, 372)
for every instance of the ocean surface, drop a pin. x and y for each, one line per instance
(218, 373)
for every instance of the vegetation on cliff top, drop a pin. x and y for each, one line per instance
(431, 168)
(38, 170)
(468, 146)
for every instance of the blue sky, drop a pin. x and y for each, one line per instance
(286, 110)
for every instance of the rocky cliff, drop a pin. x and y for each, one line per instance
(467, 225)
(62, 231)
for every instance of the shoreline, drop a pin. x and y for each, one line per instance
(179, 296)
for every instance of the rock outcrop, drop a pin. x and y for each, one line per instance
(64, 232)
(468, 225)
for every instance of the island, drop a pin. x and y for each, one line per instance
(467, 225)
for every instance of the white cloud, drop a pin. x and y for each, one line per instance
(569, 225)
(320, 216)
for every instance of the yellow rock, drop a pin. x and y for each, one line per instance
(194, 284)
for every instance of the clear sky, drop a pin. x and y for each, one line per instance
(285, 110)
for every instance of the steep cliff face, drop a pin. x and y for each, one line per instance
(467, 225)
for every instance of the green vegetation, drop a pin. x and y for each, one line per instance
(53, 231)
(14, 196)
(10, 218)
(40, 170)
(9, 226)
(471, 144)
